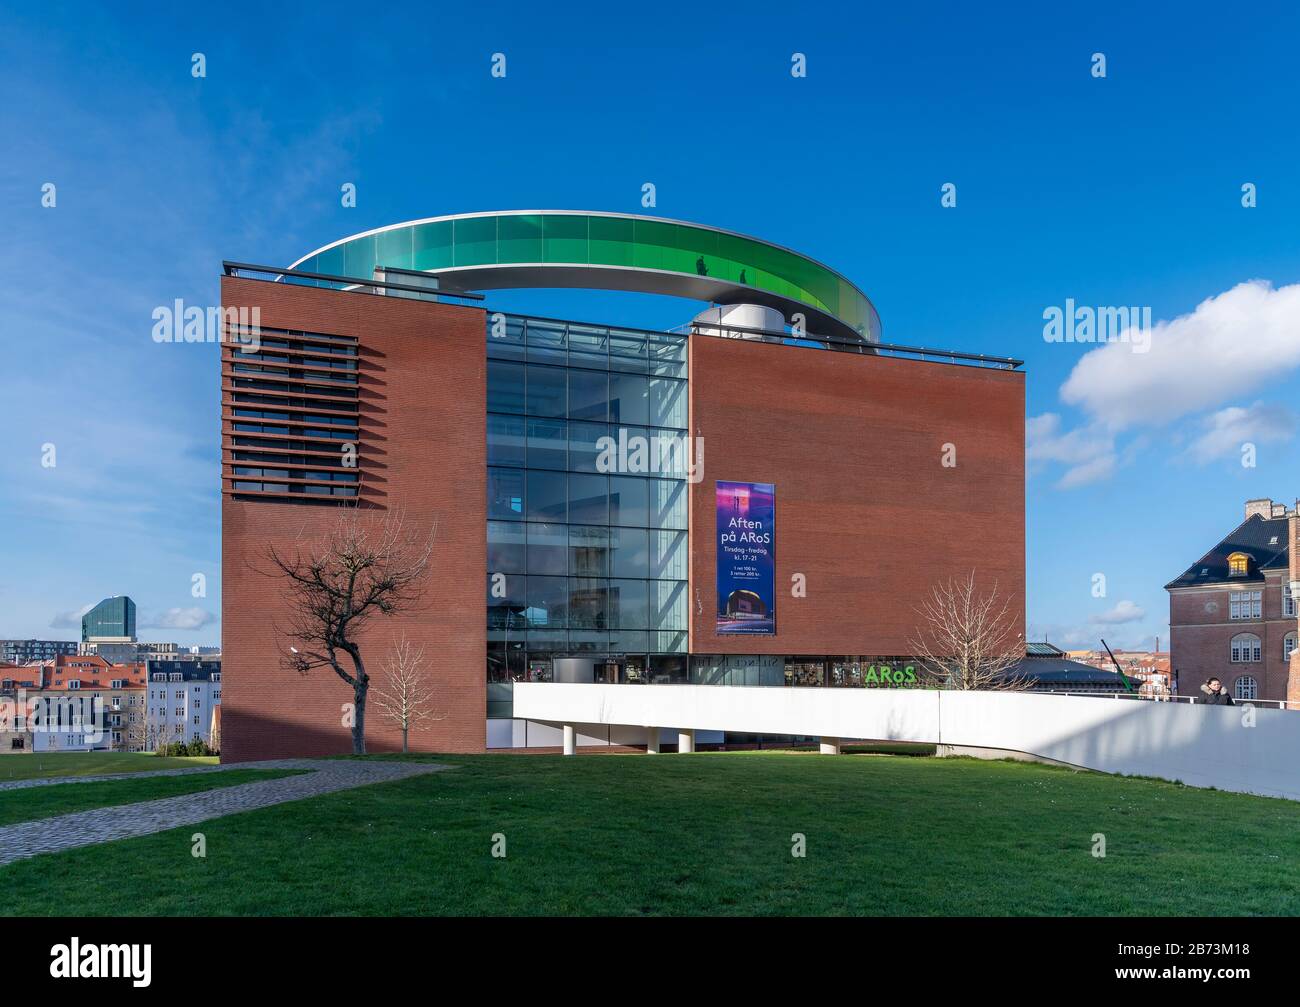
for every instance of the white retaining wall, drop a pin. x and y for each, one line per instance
(1203, 746)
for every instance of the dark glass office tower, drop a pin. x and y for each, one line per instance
(112, 617)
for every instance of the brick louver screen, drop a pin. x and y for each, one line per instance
(290, 417)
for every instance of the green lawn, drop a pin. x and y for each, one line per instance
(33, 765)
(30, 803)
(707, 833)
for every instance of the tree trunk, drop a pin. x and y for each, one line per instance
(359, 717)
(404, 730)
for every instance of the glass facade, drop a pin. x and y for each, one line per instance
(587, 544)
(111, 617)
(611, 240)
(849, 671)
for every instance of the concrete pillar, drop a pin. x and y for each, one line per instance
(652, 741)
(685, 741)
(570, 740)
(830, 746)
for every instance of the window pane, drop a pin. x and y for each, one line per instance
(565, 238)
(539, 666)
(546, 342)
(588, 395)
(584, 448)
(627, 351)
(548, 599)
(630, 641)
(505, 548)
(519, 237)
(506, 494)
(547, 441)
(588, 551)
(629, 553)
(668, 555)
(506, 339)
(588, 502)
(650, 451)
(667, 402)
(587, 604)
(505, 440)
(505, 387)
(588, 641)
(672, 642)
(588, 347)
(545, 392)
(548, 549)
(547, 496)
(629, 398)
(668, 356)
(628, 604)
(628, 501)
(667, 503)
(667, 669)
(505, 599)
(668, 605)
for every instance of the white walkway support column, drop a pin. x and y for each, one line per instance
(830, 746)
(652, 741)
(570, 740)
(685, 742)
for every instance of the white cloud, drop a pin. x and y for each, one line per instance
(1229, 346)
(1228, 429)
(70, 620)
(1125, 611)
(178, 618)
(1089, 451)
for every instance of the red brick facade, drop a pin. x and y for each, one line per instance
(1201, 629)
(1200, 639)
(422, 446)
(865, 509)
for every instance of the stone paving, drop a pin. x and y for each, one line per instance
(102, 825)
(46, 781)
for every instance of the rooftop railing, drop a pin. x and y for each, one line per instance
(302, 277)
(423, 290)
(726, 331)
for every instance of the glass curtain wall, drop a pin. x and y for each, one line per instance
(587, 502)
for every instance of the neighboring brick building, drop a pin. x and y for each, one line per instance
(77, 703)
(891, 469)
(14, 735)
(1233, 613)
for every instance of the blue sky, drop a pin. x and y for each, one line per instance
(1123, 190)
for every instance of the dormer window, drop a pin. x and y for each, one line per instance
(1238, 564)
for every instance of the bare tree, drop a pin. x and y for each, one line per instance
(214, 736)
(403, 695)
(969, 639)
(363, 567)
(141, 733)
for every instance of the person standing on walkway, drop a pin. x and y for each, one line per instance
(1215, 694)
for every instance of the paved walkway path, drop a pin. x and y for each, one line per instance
(46, 781)
(102, 825)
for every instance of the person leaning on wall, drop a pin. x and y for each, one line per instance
(1215, 694)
